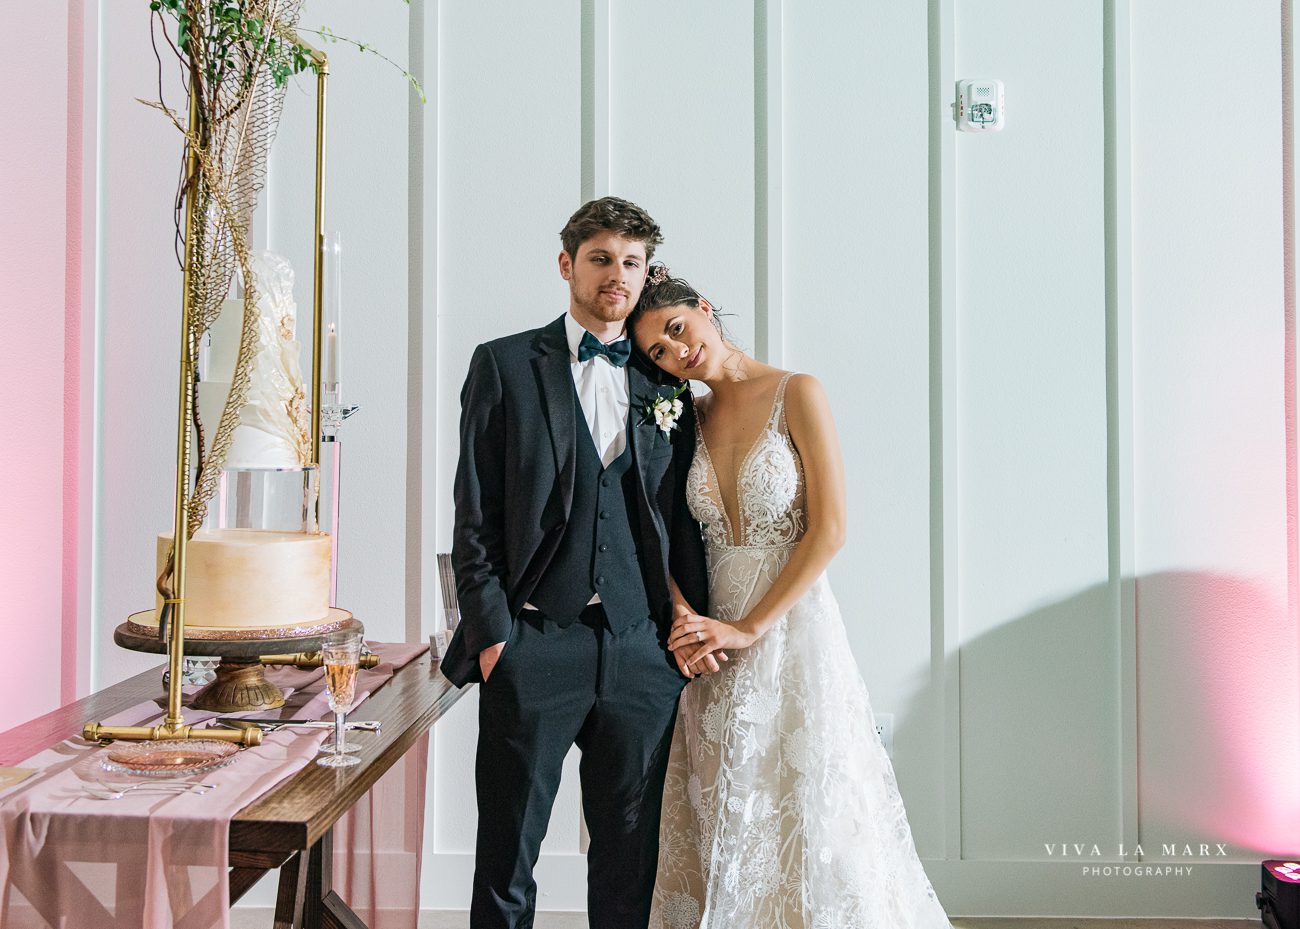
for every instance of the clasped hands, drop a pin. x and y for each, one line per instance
(698, 642)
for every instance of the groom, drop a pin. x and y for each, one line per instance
(573, 549)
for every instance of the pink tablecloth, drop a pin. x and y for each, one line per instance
(153, 859)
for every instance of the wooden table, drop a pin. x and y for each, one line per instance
(289, 826)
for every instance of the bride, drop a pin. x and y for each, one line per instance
(780, 808)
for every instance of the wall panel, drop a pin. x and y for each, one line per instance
(1216, 641)
(366, 203)
(139, 332)
(34, 279)
(1032, 439)
(509, 173)
(681, 117)
(855, 314)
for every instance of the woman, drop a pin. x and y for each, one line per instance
(780, 808)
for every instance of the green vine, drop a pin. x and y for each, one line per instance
(214, 39)
(227, 26)
(364, 47)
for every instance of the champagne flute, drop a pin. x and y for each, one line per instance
(340, 654)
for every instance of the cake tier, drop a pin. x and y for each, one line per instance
(274, 428)
(253, 579)
(251, 447)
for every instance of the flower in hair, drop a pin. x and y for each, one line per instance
(658, 274)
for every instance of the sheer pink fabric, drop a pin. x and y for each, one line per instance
(378, 846)
(152, 859)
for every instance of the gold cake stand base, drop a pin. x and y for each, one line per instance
(241, 685)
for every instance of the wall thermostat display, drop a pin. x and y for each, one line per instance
(981, 106)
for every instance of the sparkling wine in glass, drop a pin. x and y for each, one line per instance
(340, 653)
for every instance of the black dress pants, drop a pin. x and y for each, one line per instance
(615, 697)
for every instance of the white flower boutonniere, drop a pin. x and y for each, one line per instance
(664, 410)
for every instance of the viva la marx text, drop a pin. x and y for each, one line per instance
(1167, 850)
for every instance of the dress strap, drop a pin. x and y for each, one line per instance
(777, 417)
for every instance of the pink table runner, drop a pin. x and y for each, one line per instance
(153, 859)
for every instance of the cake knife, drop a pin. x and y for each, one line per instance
(270, 725)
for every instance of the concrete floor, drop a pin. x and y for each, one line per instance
(250, 918)
(451, 920)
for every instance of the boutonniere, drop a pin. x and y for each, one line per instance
(664, 409)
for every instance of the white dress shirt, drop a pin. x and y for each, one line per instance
(603, 393)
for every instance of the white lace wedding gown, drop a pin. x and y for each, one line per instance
(780, 806)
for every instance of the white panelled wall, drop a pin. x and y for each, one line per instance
(1057, 357)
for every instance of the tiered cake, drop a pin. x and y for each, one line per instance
(260, 581)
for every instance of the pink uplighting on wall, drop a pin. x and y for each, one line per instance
(40, 356)
(1219, 713)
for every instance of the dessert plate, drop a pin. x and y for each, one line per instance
(169, 758)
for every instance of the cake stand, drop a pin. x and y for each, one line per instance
(241, 685)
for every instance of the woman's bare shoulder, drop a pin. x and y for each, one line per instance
(805, 400)
(801, 387)
(701, 403)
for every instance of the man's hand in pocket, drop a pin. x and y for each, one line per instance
(488, 658)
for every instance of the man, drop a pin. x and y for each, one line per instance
(573, 550)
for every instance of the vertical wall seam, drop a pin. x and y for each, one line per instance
(587, 115)
(86, 451)
(1121, 579)
(74, 283)
(97, 336)
(769, 278)
(594, 143)
(945, 650)
(1288, 298)
(427, 33)
(416, 603)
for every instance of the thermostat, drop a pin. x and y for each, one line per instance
(981, 106)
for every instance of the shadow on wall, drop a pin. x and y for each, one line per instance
(1218, 721)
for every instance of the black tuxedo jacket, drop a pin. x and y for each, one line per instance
(519, 429)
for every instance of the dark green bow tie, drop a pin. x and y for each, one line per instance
(617, 352)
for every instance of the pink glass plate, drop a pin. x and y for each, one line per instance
(168, 758)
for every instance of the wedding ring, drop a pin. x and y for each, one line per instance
(699, 636)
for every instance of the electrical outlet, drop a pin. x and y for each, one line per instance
(885, 730)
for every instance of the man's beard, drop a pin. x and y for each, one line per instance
(602, 311)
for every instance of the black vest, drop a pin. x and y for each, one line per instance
(600, 551)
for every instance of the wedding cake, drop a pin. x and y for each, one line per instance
(255, 582)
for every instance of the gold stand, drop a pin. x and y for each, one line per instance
(173, 725)
(241, 687)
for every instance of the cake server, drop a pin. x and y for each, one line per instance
(270, 725)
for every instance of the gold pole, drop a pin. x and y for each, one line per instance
(185, 417)
(321, 62)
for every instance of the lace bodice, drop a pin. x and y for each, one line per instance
(769, 489)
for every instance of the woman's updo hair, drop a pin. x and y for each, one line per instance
(662, 289)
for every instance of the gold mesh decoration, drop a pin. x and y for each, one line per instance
(236, 56)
